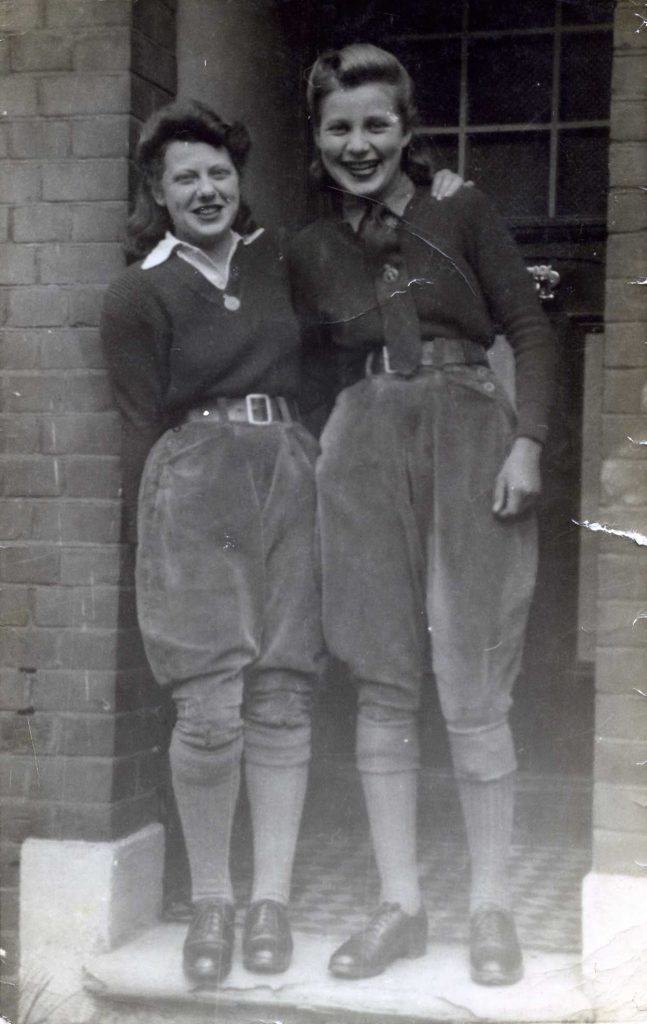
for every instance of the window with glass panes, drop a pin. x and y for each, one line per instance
(513, 93)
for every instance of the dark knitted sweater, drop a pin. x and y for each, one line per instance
(467, 279)
(171, 344)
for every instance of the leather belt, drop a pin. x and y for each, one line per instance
(258, 410)
(434, 354)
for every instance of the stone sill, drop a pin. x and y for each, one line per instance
(434, 988)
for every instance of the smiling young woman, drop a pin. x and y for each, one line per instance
(425, 485)
(200, 189)
(218, 473)
(360, 138)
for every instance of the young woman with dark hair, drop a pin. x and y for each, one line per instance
(218, 474)
(425, 485)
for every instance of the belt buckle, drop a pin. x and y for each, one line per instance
(259, 409)
(386, 361)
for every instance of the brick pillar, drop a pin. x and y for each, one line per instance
(77, 729)
(615, 894)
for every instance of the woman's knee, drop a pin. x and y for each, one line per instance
(207, 737)
(206, 756)
(388, 702)
(387, 728)
(482, 753)
(278, 713)
(279, 700)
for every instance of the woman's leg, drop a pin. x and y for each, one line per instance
(205, 767)
(199, 598)
(488, 810)
(374, 620)
(484, 765)
(277, 755)
(276, 797)
(279, 686)
(387, 757)
(205, 755)
(373, 596)
(388, 761)
(279, 692)
(481, 574)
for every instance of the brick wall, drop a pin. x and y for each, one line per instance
(77, 729)
(620, 808)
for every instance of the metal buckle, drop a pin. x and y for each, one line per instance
(386, 362)
(255, 404)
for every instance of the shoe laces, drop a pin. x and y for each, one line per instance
(210, 920)
(491, 926)
(267, 912)
(381, 920)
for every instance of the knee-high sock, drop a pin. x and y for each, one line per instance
(276, 795)
(206, 797)
(388, 759)
(391, 803)
(488, 809)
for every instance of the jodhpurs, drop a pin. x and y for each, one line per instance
(417, 571)
(227, 592)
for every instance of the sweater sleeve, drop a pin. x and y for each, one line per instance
(513, 303)
(136, 342)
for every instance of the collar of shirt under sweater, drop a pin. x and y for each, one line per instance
(216, 273)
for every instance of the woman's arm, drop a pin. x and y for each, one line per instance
(136, 342)
(514, 305)
(318, 383)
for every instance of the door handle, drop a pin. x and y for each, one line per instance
(546, 280)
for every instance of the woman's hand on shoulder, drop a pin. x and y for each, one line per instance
(445, 183)
(519, 481)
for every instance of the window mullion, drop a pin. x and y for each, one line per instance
(554, 114)
(463, 100)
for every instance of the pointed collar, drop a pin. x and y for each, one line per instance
(170, 243)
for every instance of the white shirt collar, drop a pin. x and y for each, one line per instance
(169, 243)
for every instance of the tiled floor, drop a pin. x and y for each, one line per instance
(335, 882)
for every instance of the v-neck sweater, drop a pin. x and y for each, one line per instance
(467, 280)
(171, 343)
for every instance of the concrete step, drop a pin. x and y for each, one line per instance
(436, 987)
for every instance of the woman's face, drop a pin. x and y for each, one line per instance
(200, 188)
(361, 139)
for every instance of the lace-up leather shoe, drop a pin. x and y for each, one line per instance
(209, 942)
(267, 942)
(495, 954)
(389, 935)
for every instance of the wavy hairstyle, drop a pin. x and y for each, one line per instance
(181, 121)
(365, 64)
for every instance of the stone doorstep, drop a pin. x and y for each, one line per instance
(433, 988)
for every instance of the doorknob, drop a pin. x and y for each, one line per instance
(546, 280)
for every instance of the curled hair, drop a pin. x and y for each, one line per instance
(365, 64)
(181, 121)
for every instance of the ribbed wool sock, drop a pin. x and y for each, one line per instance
(206, 797)
(391, 802)
(488, 810)
(276, 796)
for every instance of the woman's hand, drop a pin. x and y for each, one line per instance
(445, 183)
(519, 481)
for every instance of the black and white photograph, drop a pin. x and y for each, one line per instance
(323, 516)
